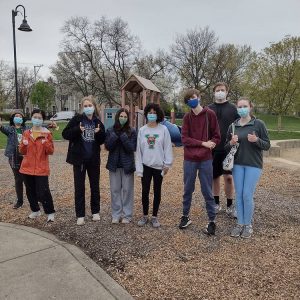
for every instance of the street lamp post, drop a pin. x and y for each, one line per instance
(23, 27)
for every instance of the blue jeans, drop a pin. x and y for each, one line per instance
(205, 174)
(245, 181)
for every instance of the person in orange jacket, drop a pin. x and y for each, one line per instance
(36, 145)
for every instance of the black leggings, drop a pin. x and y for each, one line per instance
(93, 171)
(146, 183)
(37, 190)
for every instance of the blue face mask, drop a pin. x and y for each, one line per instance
(18, 120)
(243, 112)
(193, 103)
(36, 122)
(152, 117)
(89, 110)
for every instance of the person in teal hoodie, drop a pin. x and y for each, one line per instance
(252, 136)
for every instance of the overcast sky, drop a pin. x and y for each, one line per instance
(155, 22)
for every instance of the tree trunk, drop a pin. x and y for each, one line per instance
(279, 124)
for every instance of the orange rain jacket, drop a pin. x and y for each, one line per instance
(35, 161)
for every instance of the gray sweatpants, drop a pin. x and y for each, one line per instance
(122, 192)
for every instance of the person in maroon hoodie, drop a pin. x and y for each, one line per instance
(200, 134)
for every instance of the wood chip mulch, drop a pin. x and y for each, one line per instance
(168, 263)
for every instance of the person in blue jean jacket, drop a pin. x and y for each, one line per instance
(14, 132)
(121, 141)
(252, 136)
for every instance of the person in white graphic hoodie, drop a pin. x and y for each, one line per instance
(154, 158)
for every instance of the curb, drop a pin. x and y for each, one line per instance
(86, 262)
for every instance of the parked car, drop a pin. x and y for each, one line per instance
(63, 115)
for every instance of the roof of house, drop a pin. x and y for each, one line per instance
(137, 83)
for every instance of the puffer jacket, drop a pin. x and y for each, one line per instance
(121, 149)
(36, 153)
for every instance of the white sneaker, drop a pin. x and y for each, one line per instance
(115, 221)
(218, 208)
(80, 221)
(96, 217)
(125, 221)
(35, 214)
(231, 211)
(50, 218)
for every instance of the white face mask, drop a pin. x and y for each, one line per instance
(220, 95)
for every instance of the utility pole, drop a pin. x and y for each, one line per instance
(36, 70)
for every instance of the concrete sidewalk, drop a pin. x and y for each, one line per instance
(36, 265)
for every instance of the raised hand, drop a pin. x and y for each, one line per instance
(97, 129)
(252, 138)
(25, 142)
(81, 127)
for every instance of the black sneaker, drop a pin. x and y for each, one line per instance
(210, 229)
(18, 205)
(184, 222)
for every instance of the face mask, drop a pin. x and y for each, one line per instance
(122, 121)
(220, 95)
(243, 112)
(193, 103)
(18, 120)
(36, 122)
(152, 117)
(89, 110)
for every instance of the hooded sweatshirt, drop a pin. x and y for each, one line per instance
(197, 129)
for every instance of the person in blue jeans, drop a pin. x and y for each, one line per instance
(200, 134)
(252, 136)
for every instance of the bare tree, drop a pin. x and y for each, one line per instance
(191, 54)
(6, 84)
(97, 58)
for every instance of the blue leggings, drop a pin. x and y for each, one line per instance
(245, 181)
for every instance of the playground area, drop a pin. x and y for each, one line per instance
(169, 263)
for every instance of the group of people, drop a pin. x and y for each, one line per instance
(208, 133)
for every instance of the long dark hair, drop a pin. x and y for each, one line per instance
(126, 127)
(11, 119)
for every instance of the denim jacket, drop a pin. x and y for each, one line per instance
(11, 150)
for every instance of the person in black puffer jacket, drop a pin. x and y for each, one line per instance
(85, 133)
(121, 143)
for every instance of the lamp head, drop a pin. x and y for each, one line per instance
(24, 26)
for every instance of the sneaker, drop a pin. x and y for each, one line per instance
(96, 217)
(143, 221)
(126, 221)
(50, 218)
(80, 221)
(218, 208)
(35, 214)
(18, 205)
(115, 221)
(154, 222)
(231, 211)
(184, 222)
(210, 229)
(236, 231)
(247, 232)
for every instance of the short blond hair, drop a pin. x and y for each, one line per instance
(91, 99)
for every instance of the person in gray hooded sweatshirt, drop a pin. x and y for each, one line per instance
(252, 136)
